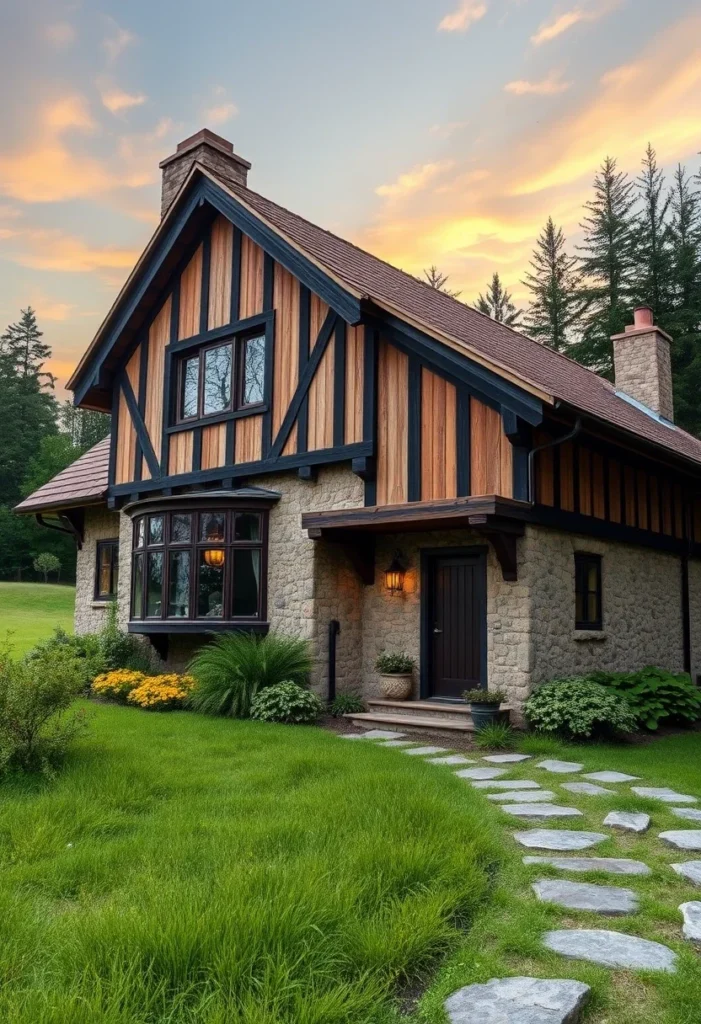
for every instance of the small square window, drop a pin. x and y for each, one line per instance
(587, 584)
(253, 371)
(107, 570)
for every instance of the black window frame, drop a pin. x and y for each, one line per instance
(236, 405)
(113, 544)
(584, 561)
(195, 547)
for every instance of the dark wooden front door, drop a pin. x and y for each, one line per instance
(455, 623)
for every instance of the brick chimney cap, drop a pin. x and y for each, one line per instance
(205, 137)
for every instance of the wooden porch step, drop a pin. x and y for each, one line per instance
(407, 723)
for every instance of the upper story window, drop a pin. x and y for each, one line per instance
(107, 570)
(221, 378)
(587, 588)
(207, 564)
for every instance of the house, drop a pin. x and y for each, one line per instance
(307, 439)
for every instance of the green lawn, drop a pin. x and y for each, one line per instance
(31, 612)
(190, 870)
(505, 939)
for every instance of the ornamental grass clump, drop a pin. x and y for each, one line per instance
(161, 693)
(578, 708)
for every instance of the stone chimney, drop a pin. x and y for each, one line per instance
(205, 148)
(643, 365)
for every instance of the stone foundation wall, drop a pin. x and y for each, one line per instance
(695, 615)
(100, 524)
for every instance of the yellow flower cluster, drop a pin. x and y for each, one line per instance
(161, 693)
(116, 685)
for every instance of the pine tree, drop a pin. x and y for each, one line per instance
(554, 283)
(653, 274)
(497, 303)
(607, 266)
(21, 345)
(684, 320)
(435, 279)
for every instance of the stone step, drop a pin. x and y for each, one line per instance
(558, 839)
(518, 1001)
(611, 865)
(599, 899)
(611, 949)
(409, 723)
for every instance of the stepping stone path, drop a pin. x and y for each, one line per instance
(600, 899)
(611, 949)
(516, 784)
(451, 759)
(585, 788)
(506, 758)
(611, 865)
(527, 796)
(394, 743)
(691, 912)
(611, 777)
(481, 773)
(517, 1001)
(541, 811)
(556, 839)
(690, 869)
(561, 767)
(690, 813)
(628, 821)
(689, 839)
(667, 796)
(420, 751)
(374, 734)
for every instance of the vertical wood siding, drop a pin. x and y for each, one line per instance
(249, 439)
(180, 453)
(252, 262)
(220, 273)
(126, 434)
(392, 425)
(491, 464)
(213, 446)
(190, 290)
(158, 337)
(321, 390)
(438, 438)
(355, 340)
(286, 364)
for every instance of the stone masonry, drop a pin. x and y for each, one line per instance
(643, 364)
(100, 524)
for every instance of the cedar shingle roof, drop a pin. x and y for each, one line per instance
(548, 370)
(84, 482)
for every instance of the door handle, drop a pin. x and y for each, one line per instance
(437, 630)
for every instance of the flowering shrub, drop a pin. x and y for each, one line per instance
(117, 685)
(161, 693)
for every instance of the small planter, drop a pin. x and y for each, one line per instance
(485, 707)
(396, 685)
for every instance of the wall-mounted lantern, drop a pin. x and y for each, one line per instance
(394, 575)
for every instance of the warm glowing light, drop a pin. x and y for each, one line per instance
(214, 557)
(394, 576)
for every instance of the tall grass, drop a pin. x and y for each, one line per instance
(191, 870)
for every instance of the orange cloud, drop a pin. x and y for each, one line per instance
(414, 180)
(550, 86)
(53, 250)
(116, 100)
(465, 14)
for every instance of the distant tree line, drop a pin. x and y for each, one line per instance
(39, 437)
(641, 245)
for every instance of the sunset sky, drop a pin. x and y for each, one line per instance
(428, 131)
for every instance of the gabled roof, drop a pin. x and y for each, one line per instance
(84, 482)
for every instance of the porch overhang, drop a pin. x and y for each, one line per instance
(500, 520)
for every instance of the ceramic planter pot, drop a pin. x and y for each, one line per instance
(396, 686)
(485, 714)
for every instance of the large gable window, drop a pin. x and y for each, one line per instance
(199, 565)
(223, 377)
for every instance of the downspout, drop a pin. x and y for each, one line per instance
(549, 444)
(334, 630)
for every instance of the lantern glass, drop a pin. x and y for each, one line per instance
(394, 577)
(214, 557)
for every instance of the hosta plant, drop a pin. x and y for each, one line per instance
(286, 702)
(578, 708)
(655, 695)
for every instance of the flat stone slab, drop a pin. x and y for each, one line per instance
(688, 839)
(506, 758)
(421, 751)
(516, 784)
(611, 865)
(611, 949)
(586, 788)
(667, 796)
(690, 869)
(689, 813)
(374, 734)
(518, 1001)
(528, 796)
(691, 912)
(558, 839)
(600, 899)
(396, 743)
(481, 773)
(611, 777)
(451, 759)
(628, 821)
(541, 811)
(560, 767)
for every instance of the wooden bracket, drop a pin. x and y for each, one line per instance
(307, 473)
(503, 539)
(364, 467)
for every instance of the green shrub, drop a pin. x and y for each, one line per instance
(655, 695)
(35, 695)
(394, 664)
(231, 670)
(579, 708)
(123, 650)
(496, 697)
(286, 702)
(495, 736)
(346, 704)
(86, 650)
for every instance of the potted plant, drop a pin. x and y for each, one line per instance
(395, 674)
(484, 706)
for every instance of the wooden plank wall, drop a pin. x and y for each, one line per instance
(158, 338)
(126, 434)
(491, 466)
(438, 437)
(392, 425)
(286, 363)
(321, 391)
(355, 340)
